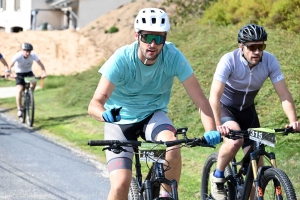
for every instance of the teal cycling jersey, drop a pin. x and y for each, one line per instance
(140, 89)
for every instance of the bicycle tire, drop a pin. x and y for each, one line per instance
(272, 177)
(133, 193)
(23, 116)
(209, 166)
(30, 108)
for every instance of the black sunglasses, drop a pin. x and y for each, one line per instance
(148, 38)
(254, 47)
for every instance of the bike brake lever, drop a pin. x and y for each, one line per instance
(288, 130)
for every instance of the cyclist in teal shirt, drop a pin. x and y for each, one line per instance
(133, 94)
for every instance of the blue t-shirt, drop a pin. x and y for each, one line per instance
(140, 89)
(1, 56)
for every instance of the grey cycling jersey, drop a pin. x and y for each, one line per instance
(242, 83)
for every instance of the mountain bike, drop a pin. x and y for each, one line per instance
(269, 181)
(28, 101)
(154, 152)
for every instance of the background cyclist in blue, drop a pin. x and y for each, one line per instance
(139, 78)
(4, 62)
(238, 78)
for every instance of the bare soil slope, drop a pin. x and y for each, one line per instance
(68, 52)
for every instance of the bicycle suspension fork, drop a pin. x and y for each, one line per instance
(159, 178)
(257, 172)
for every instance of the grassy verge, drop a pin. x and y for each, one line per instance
(61, 107)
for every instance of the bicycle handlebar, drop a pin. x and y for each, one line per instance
(190, 142)
(245, 133)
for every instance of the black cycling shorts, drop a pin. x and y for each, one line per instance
(20, 77)
(147, 129)
(246, 119)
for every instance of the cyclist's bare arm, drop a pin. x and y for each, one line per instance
(43, 75)
(216, 91)
(8, 72)
(196, 93)
(101, 95)
(287, 104)
(4, 62)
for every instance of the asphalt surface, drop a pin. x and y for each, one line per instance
(35, 167)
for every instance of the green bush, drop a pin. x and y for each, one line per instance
(112, 29)
(225, 12)
(284, 14)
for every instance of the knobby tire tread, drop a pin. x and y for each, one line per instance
(23, 117)
(30, 109)
(133, 193)
(279, 175)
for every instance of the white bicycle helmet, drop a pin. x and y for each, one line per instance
(152, 19)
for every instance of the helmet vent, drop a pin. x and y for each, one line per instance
(153, 20)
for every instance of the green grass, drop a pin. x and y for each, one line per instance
(61, 107)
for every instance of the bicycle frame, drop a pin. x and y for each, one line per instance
(148, 184)
(150, 187)
(28, 101)
(254, 173)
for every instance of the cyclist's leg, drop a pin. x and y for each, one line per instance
(227, 152)
(32, 85)
(119, 165)
(160, 127)
(19, 88)
(247, 144)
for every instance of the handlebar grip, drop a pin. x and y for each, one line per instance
(100, 142)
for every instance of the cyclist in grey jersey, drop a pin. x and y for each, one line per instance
(238, 77)
(243, 83)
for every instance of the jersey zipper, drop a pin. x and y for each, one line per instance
(247, 89)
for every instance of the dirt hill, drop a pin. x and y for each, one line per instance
(68, 52)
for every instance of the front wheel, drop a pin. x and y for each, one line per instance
(133, 193)
(277, 185)
(23, 116)
(209, 167)
(30, 108)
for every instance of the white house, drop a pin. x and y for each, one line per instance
(23, 15)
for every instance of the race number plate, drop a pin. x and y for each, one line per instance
(151, 152)
(263, 135)
(29, 79)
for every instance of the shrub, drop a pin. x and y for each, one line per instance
(112, 29)
(285, 14)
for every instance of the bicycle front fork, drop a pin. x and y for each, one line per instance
(257, 173)
(158, 180)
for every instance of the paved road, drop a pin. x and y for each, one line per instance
(35, 167)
